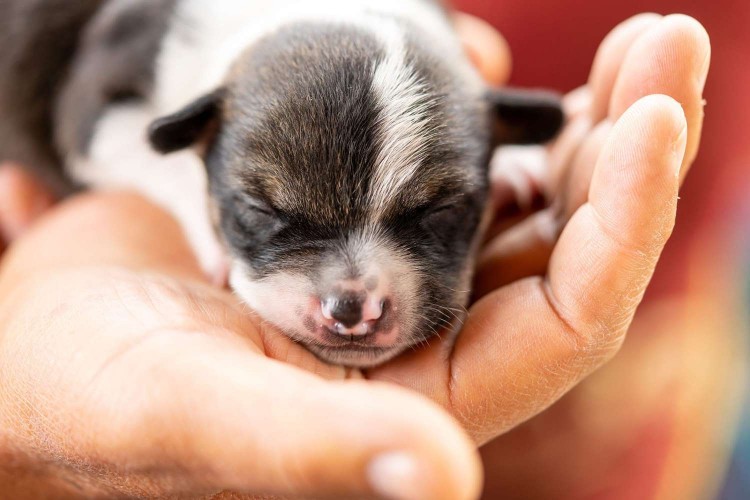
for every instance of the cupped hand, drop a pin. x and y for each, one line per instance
(558, 290)
(123, 372)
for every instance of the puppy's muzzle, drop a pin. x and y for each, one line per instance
(351, 312)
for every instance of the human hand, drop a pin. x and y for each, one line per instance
(122, 372)
(536, 355)
(559, 289)
(647, 54)
(620, 431)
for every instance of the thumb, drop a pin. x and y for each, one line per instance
(246, 423)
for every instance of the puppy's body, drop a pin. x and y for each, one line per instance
(346, 145)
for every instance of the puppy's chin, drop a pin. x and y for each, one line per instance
(354, 356)
(364, 351)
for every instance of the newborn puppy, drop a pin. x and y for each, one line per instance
(343, 144)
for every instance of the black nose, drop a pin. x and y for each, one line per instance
(346, 309)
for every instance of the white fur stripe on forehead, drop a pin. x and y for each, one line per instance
(206, 36)
(403, 121)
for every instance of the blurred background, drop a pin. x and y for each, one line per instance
(670, 417)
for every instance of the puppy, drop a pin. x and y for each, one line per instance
(332, 155)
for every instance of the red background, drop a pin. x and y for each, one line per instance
(553, 44)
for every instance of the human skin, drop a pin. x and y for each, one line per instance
(123, 371)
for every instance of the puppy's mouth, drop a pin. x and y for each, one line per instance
(375, 343)
(330, 338)
(375, 348)
(354, 354)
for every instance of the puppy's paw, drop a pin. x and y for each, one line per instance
(517, 177)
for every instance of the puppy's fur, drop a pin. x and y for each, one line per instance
(344, 144)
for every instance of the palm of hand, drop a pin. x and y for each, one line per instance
(167, 362)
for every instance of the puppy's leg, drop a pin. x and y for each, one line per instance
(119, 157)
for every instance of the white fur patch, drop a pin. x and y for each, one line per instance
(403, 123)
(121, 158)
(278, 299)
(207, 36)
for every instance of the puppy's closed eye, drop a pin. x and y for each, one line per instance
(254, 216)
(445, 219)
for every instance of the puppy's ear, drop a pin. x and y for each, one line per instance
(525, 116)
(184, 128)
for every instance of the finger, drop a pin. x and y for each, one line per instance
(672, 58)
(669, 57)
(22, 201)
(486, 48)
(352, 438)
(574, 189)
(607, 62)
(675, 42)
(609, 58)
(542, 336)
(607, 252)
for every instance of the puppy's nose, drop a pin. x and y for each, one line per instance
(351, 309)
(345, 308)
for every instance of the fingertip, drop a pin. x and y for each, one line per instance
(622, 35)
(671, 57)
(661, 105)
(441, 459)
(648, 138)
(636, 180)
(609, 58)
(690, 35)
(687, 36)
(690, 38)
(399, 476)
(660, 118)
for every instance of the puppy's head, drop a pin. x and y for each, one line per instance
(349, 178)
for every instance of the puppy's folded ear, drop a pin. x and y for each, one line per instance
(525, 116)
(186, 127)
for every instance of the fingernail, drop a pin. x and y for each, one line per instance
(396, 476)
